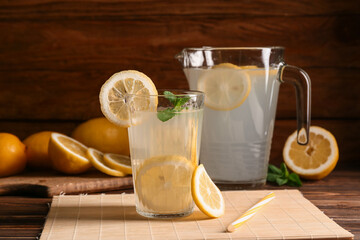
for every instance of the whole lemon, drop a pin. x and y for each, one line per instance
(103, 135)
(37, 150)
(12, 155)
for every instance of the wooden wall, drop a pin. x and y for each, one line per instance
(55, 55)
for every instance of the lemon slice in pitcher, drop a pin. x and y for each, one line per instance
(225, 86)
(163, 184)
(117, 106)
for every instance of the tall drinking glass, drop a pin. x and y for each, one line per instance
(241, 88)
(164, 147)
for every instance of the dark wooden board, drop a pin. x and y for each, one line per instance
(48, 184)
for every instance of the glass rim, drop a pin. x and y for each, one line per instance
(184, 93)
(208, 48)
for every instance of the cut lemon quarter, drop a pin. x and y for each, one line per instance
(125, 93)
(96, 159)
(163, 184)
(206, 194)
(118, 162)
(225, 87)
(315, 160)
(68, 155)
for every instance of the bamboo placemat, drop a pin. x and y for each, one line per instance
(288, 216)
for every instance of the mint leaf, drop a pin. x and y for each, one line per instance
(284, 170)
(177, 103)
(281, 176)
(166, 114)
(294, 179)
(271, 177)
(171, 97)
(281, 181)
(274, 169)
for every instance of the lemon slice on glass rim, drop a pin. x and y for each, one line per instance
(125, 93)
(226, 86)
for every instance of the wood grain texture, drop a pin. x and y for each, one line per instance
(74, 95)
(337, 195)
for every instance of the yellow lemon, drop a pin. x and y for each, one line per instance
(123, 94)
(118, 162)
(226, 86)
(12, 155)
(37, 153)
(163, 184)
(68, 155)
(206, 194)
(315, 160)
(101, 134)
(97, 160)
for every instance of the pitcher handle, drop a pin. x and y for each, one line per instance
(301, 81)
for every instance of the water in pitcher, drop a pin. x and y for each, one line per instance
(238, 126)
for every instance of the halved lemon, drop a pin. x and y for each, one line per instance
(125, 93)
(225, 86)
(163, 184)
(96, 159)
(315, 160)
(118, 162)
(206, 194)
(68, 155)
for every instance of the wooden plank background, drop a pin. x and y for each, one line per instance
(55, 55)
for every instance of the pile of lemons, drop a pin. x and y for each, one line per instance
(69, 155)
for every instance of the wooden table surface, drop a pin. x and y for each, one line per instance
(338, 196)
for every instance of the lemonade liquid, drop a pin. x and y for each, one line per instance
(236, 144)
(164, 155)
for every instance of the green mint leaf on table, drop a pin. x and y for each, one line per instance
(281, 176)
(177, 102)
(274, 169)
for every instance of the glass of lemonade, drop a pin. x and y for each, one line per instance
(164, 149)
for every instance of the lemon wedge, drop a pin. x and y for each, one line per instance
(226, 86)
(68, 155)
(123, 94)
(118, 162)
(96, 159)
(315, 160)
(163, 184)
(206, 194)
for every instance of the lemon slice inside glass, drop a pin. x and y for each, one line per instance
(206, 194)
(163, 184)
(226, 86)
(96, 159)
(118, 162)
(315, 160)
(123, 94)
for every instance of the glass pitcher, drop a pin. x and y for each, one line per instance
(241, 88)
